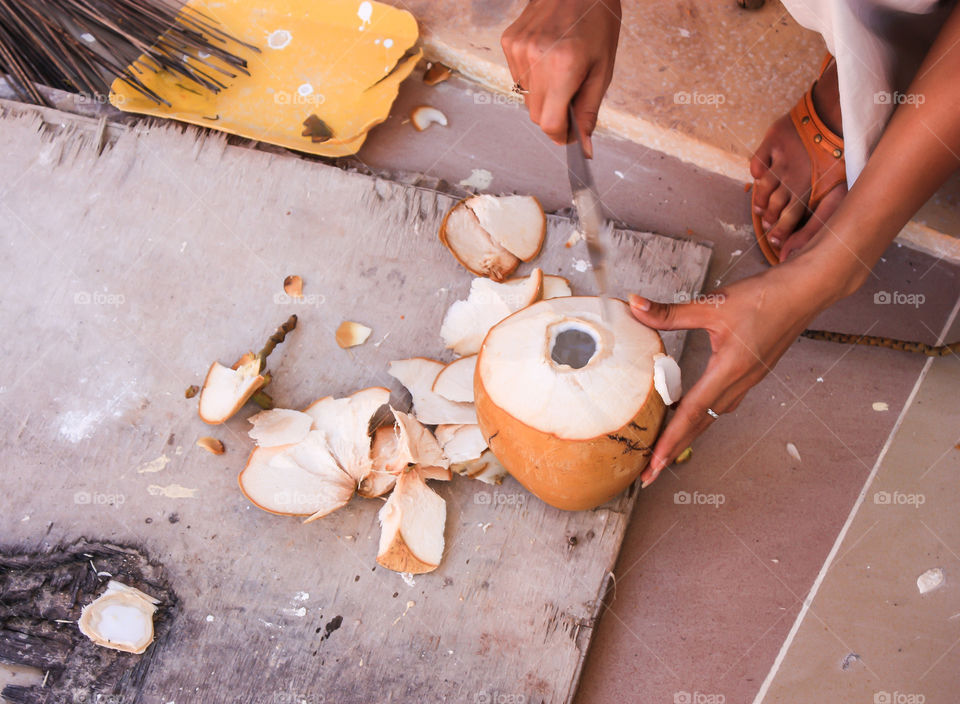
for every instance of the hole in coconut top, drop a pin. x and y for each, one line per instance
(573, 347)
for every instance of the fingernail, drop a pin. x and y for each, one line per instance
(588, 147)
(758, 210)
(766, 225)
(775, 241)
(639, 302)
(647, 482)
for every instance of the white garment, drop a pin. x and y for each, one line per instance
(878, 47)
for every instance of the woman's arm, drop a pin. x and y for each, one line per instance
(760, 317)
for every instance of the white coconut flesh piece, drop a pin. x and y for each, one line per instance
(516, 223)
(416, 445)
(351, 334)
(225, 390)
(666, 378)
(345, 422)
(384, 465)
(461, 443)
(417, 376)
(376, 483)
(412, 522)
(297, 480)
(473, 247)
(425, 115)
(560, 368)
(555, 287)
(279, 426)
(439, 473)
(486, 468)
(455, 381)
(121, 618)
(468, 322)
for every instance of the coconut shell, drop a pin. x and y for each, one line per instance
(573, 475)
(570, 474)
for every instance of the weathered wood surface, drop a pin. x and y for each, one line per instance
(128, 273)
(40, 590)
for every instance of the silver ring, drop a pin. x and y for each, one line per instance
(713, 414)
(518, 89)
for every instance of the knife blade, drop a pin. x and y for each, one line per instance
(589, 211)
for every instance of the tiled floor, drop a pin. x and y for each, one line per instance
(870, 634)
(707, 593)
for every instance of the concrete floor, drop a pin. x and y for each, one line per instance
(705, 595)
(743, 68)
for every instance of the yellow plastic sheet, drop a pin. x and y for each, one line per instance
(339, 60)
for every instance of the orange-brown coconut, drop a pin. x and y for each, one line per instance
(574, 431)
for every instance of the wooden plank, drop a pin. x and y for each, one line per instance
(134, 270)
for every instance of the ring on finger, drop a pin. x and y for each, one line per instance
(519, 89)
(713, 414)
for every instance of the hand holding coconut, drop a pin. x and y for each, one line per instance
(751, 324)
(563, 52)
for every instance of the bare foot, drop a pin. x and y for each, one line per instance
(781, 169)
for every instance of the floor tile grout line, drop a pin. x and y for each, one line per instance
(815, 588)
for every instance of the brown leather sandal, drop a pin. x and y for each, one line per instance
(826, 160)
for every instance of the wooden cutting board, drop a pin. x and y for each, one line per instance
(128, 273)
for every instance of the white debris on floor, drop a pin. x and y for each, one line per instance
(930, 580)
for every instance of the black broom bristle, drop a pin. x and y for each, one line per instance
(83, 45)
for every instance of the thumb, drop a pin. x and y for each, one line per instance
(586, 106)
(669, 316)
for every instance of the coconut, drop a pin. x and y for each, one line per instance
(491, 235)
(486, 468)
(455, 381)
(516, 223)
(467, 322)
(461, 443)
(345, 423)
(418, 375)
(279, 426)
(416, 445)
(121, 618)
(423, 116)
(566, 399)
(302, 479)
(351, 334)
(472, 246)
(412, 522)
(211, 445)
(436, 73)
(225, 390)
(555, 287)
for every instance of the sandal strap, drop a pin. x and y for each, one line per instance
(824, 147)
(824, 65)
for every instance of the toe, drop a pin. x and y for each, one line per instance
(775, 205)
(790, 216)
(793, 243)
(762, 189)
(760, 161)
(798, 240)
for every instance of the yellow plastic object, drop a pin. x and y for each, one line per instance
(339, 60)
